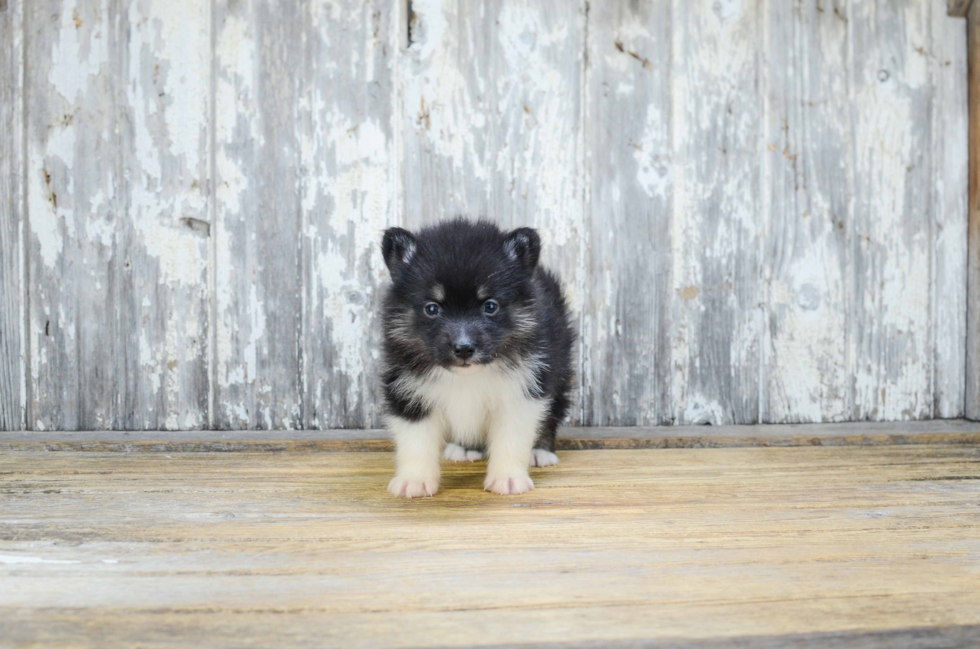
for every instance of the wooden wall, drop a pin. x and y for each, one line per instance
(759, 207)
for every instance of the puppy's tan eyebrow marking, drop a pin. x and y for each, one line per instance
(438, 293)
(482, 293)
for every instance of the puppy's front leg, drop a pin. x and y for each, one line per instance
(511, 436)
(418, 445)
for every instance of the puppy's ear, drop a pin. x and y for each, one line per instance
(397, 247)
(523, 245)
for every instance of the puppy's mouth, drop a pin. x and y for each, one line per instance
(467, 367)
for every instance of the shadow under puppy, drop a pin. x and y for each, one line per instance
(478, 353)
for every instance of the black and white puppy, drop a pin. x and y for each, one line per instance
(478, 353)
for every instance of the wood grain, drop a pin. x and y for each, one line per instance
(116, 185)
(12, 294)
(973, 262)
(349, 192)
(951, 155)
(611, 547)
(162, 247)
(67, 185)
(809, 166)
(890, 318)
(258, 215)
(716, 315)
(626, 334)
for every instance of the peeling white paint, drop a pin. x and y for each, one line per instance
(488, 118)
(447, 115)
(652, 155)
(46, 223)
(76, 58)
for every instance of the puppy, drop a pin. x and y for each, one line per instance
(478, 353)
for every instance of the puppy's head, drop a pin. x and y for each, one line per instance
(461, 293)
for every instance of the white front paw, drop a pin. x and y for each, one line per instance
(515, 483)
(405, 487)
(541, 457)
(456, 453)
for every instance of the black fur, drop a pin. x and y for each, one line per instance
(462, 256)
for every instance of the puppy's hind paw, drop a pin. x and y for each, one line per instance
(456, 453)
(541, 457)
(403, 487)
(508, 484)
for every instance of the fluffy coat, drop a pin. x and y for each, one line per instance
(478, 354)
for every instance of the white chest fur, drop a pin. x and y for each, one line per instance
(470, 403)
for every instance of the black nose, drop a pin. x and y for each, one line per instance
(463, 351)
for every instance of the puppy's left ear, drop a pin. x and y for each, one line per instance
(523, 245)
(397, 248)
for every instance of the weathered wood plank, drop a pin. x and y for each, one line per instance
(258, 243)
(808, 171)
(446, 138)
(72, 166)
(626, 333)
(114, 167)
(716, 318)
(950, 140)
(349, 192)
(973, 260)
(12, 353)
(492, 122)
(891, 223)
(611, 546)
(162, 244)
(117, 183)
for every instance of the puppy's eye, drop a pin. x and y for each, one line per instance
(490, 307)
(431, 309)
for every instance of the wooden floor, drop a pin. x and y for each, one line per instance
(810, 546)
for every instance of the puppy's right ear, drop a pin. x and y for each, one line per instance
(397, 247)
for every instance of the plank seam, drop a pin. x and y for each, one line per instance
(850, 241)
(972, 360)
(586, 177)
(212, 216)
(765, 188)
(27, 364)
(934, 90)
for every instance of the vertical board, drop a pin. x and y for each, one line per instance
(808, 165)
(446, 100)
(258, 215)
(349, 196)
(116, 178)
(492, 122)
(629, 287)
(973, 250)
(950, 140)
(891, 225)
(162, 317)
(717, 298)
(71, 176)
(12, 354)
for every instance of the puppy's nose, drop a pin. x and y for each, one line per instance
(464, 350)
